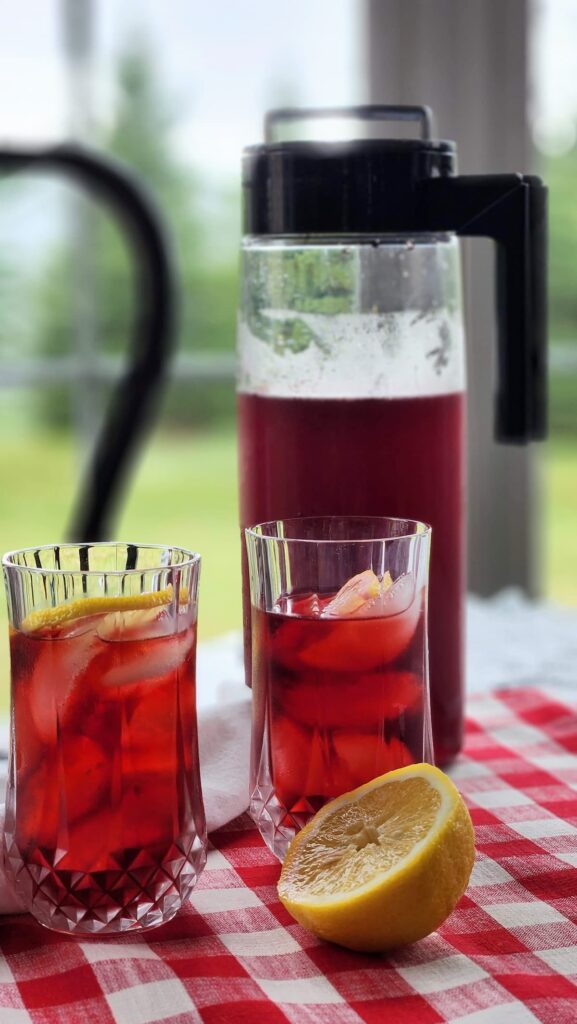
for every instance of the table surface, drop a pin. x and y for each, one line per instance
(508, 955)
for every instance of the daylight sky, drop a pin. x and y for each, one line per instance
(221, 60)
(224, 60)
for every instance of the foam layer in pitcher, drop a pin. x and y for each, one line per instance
(361, 355)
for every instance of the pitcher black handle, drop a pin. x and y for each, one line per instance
(153, 332)
(512, 210)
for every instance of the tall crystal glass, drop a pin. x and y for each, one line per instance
(339, 661)
(104, 828)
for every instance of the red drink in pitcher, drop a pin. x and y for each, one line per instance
(402, 457)
(104, 824)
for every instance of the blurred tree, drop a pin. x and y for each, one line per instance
(16, 321)
(141, 136)
(9, 325)
(560, 173)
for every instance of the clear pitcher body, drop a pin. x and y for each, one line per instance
(352, 402)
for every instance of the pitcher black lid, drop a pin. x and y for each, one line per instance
(362, 186)
(396, 186)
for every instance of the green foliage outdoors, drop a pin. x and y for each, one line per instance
(140, 136)
(560, 541)
(560, 174)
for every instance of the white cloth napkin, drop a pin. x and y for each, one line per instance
(224, 742)
(224, 737)
(224, 706)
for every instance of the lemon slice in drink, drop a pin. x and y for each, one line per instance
(383, 865)
(49, 618)
(358, 593)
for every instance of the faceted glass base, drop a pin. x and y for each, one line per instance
(276, 824)
(145, 890)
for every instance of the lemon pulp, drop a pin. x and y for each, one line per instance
(367, 837)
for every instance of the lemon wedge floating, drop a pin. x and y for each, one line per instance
(383, 865)
(46, 618)
(360, 590)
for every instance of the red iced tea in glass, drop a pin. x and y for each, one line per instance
(339, 694)
(105, 824)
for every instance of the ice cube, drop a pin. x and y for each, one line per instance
(74, 627)
(370, 640)
(139, 624)
(329, 774)
(351, 700)
(57, 669)
(306, 607)
(289, 746)
(367, 757)
(87, 774)
(355, 595)
(134, 661)
(394, 599)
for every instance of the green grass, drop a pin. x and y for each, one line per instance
(185, 492)
(560, 525)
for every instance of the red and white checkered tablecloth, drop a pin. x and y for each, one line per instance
(508, 955)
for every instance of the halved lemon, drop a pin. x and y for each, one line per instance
(47, 618)
(383, 865)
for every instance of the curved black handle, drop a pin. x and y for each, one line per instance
(512, 210)
(133, 398)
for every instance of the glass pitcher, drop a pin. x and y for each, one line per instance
(351, 347)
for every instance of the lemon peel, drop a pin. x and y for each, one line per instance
(46, 618)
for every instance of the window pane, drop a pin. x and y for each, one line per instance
(554, 129)
(176, 96)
